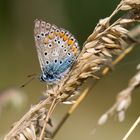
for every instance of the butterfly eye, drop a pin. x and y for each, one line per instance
(45, 53)
(69, 61)
(55, 40)
(62, 46)
(65, 50)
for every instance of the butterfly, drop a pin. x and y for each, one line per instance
(57, 51)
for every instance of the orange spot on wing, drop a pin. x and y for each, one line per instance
(51, 35)
(65, 37)
(70, 41)
(74, 49)
(61, 34)
(56, 33)
(46, 40)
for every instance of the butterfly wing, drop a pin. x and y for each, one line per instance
(57, 50)
(41, 30)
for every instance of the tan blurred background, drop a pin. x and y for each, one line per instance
(18, 58)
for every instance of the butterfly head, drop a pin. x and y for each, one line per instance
(48, 78)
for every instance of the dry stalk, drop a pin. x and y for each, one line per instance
(123, 100)
(107, 39)
(132, 129)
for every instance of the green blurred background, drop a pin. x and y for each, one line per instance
(18, 58)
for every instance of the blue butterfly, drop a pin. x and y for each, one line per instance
(57, 51)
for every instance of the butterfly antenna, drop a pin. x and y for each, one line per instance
(32, 77)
